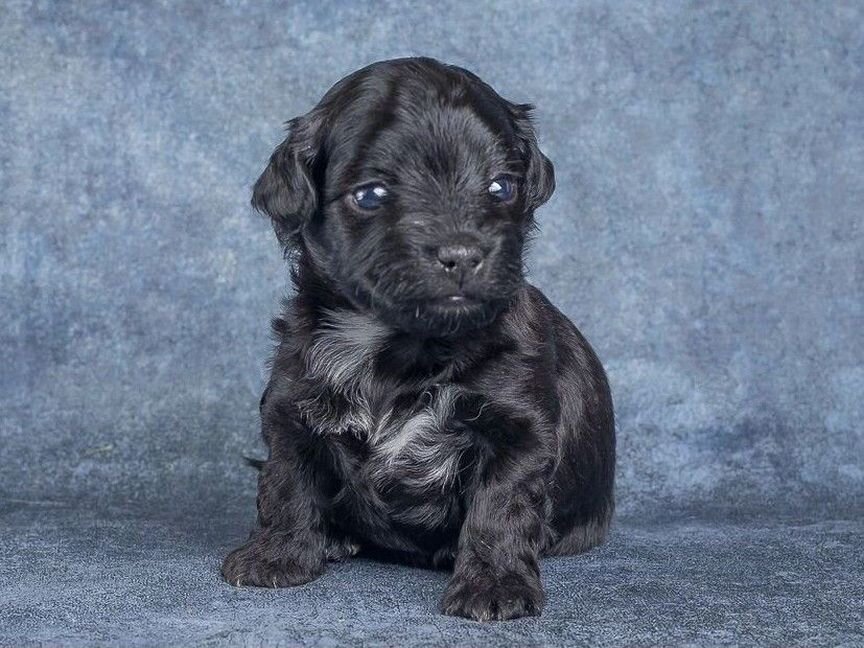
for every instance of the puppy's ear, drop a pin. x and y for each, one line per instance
(539, 172)
(287, 191)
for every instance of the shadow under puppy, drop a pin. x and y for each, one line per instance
(425, 402)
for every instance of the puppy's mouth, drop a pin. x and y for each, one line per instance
(438, 311)
(455, 307)
(446, 316)
(456, 301)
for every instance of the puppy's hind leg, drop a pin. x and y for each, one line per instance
(581, 538)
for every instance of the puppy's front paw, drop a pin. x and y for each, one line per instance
(487, 598)
(258, 564)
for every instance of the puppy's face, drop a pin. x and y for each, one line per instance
(412, 186)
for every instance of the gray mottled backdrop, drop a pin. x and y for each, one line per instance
(706, 235)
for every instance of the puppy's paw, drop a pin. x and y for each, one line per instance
(254, 564)
(486, 598)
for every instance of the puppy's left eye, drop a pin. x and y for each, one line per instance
(502, 189)
(369, 197)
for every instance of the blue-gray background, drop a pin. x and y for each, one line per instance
(706, 236)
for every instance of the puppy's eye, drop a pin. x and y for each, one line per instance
(369, 197)
(502, 189)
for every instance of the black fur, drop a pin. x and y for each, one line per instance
(440, 417)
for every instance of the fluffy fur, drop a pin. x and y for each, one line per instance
(426, 404)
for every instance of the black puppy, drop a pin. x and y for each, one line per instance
(425, 403)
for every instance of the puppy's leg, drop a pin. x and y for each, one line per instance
(496, 573)
(582, 538)
(289, 546)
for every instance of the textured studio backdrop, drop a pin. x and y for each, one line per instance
(706, 235)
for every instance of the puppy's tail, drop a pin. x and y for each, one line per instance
(257, 464)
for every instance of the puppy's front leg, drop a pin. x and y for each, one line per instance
(496, 573)
(288, 546)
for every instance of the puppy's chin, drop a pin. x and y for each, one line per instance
(445, 317)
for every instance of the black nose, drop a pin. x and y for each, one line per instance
(460, 258)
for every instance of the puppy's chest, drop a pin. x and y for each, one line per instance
(411, 442)
(416, 449)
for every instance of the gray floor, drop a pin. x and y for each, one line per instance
(80, 577)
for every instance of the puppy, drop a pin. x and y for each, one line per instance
(426, 403)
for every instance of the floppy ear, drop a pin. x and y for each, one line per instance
(286, 191)
(539, 172)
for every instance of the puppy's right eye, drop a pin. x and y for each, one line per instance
(369, 197)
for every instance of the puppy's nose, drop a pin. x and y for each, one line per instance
(460, 258)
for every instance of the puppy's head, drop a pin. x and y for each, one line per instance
(411, 186)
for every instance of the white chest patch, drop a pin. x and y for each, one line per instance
(421, 450)
(418, 448)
